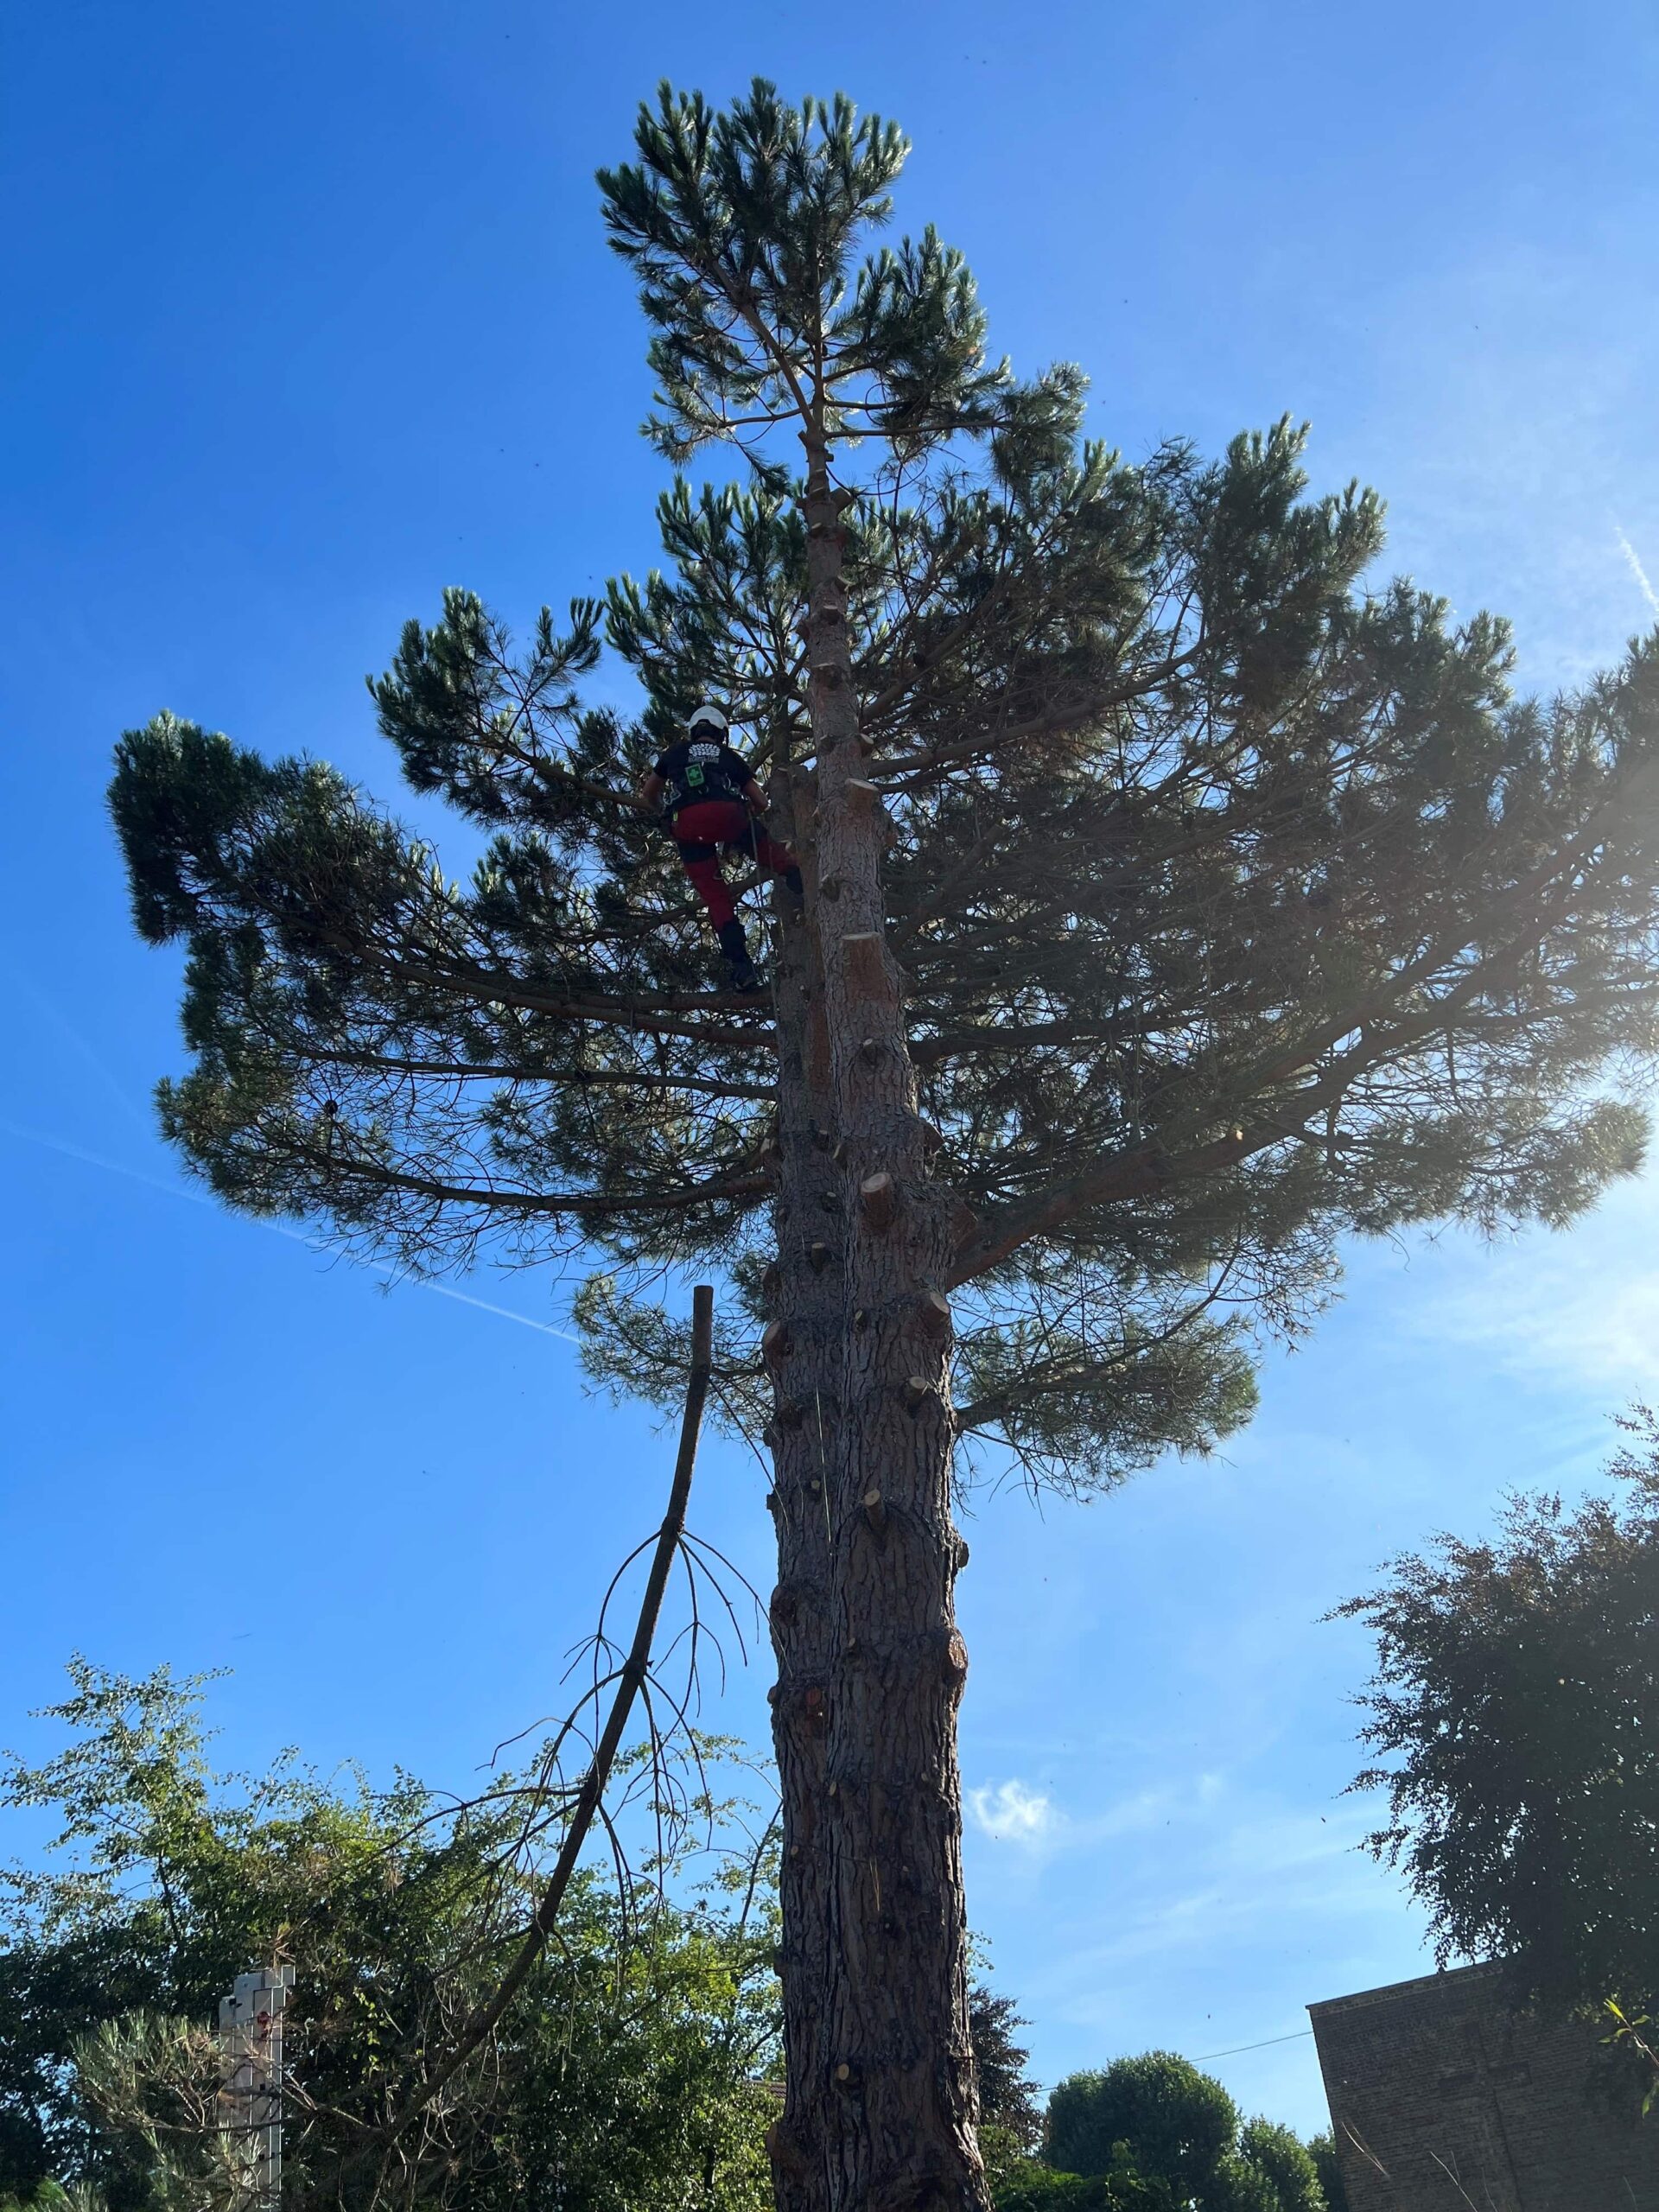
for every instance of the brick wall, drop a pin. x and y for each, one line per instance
(1442, 2100)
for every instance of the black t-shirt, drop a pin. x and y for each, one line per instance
(701, 768)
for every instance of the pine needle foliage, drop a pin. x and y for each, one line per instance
(1242, 909)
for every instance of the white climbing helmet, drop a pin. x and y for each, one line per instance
(708, 717)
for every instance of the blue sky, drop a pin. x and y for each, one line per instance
(309, 315)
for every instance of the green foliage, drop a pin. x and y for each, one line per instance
(1035, 2188)
(455, 697)
(1633, 2039)
(1243, 908)
(631, 2075)
(1238, 2186)
(1158, 2118)
(1176, 2122)
(743, 228)
(46, 2195)
(1284, 2163)
(1323, 2150)
(430, 1065)
(1512, 1710)
(531, 1060)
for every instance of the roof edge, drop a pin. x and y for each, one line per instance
(1483, 1969)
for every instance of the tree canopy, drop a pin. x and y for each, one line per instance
(634, 2075)
(1161, 2120)
(1267, 918)
(1512, 1717)
(1178, 2122)
(1239, 904)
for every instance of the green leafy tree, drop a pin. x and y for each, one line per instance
(1278, 2155)
(1512, 1717)
(1175, 906)
(1176, 2123)
(1322, 2149)
(1158, 2117)
(632, 2077)
(1039, 2189)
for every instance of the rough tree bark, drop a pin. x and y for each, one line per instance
(881, 2103)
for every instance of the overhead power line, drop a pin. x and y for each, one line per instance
(1295, 2035)
(1233, 2049)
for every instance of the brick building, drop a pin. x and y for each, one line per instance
(1444, 2100)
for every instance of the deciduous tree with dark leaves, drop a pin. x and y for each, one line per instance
(1176, 904)
(1010, 2110)
(1511, 1718)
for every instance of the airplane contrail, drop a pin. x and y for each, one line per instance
(279, 1229)
(60, 1022)
(1636, 568)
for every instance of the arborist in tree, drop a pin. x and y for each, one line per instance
(715, 806)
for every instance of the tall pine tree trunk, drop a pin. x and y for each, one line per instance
(881, 2100)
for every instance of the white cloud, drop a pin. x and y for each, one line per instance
(1011, 1813)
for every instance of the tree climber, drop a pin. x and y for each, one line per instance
(715, 806)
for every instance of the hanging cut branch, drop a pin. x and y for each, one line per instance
(591, 1792)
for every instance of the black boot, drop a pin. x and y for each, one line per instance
(745, 976)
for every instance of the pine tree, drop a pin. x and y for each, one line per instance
(1174, 907)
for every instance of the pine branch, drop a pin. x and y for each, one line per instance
(492, 1199)
(485, 986)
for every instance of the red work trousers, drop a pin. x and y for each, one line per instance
(710, 826)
